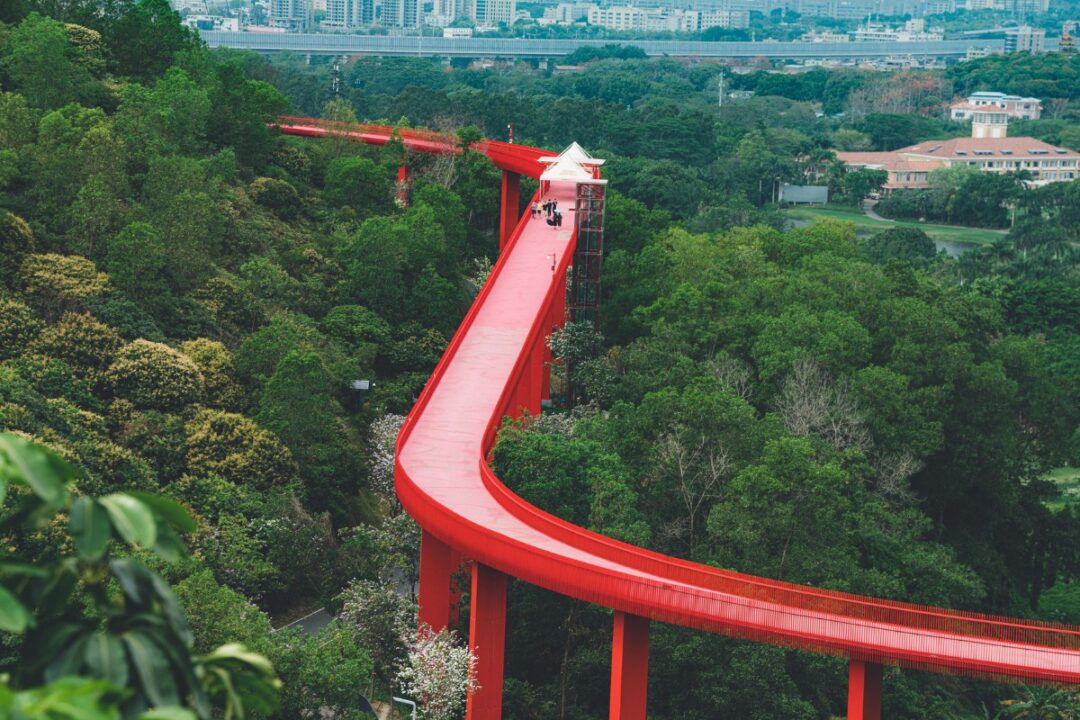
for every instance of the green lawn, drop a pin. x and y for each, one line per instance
(1068, 481)
(865, 225)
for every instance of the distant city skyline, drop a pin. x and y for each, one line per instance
(629, 16)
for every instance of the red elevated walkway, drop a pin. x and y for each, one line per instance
(495, 366)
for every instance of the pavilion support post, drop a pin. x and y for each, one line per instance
(509, 205)
(864, 690)
(435, 570)
(629, 667)
(487, 638)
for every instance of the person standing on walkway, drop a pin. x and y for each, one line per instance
(558, 219)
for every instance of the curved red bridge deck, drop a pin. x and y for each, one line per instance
(495, 366)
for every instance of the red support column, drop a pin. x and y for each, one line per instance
(559, 308)
(509, 204)
(487, 638)
(864, 691)
(629, 667)
(535, 369)
(544, 360)
(455, 588)
(435, 570)
(403, 185)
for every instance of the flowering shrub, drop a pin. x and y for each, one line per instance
(153, 375)
(384, 432)
(438, 673)
(234, 447)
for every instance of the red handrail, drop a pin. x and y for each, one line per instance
(519, 539)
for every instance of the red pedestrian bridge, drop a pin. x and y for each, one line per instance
(496, 366)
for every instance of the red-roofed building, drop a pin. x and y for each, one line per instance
(910, 167)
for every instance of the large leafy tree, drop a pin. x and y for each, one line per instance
(45, 65)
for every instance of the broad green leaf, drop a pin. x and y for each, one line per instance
(168, 713)
(134, 580)
(153, 669)
(239, 653)
(69, 698)
(131, 518)
(51, 593)
(49, 641)
(90, 528)
(105, 657)
(70, 659)
(171, 607)
(14, 617)
(171, 510)
(168, 546)
(43, 470)
(22, 569)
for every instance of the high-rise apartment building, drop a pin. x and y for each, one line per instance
(489, 13)
(400, 13)
(345, 14)
(289, 14)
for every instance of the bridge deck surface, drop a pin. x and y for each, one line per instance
(441, 460)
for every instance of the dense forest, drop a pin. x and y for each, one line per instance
(188, 299)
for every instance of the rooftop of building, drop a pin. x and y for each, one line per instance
(994, 96)
(971, 148)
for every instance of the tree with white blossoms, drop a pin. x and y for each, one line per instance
(381, 621)
(384, 432)
(438, 673)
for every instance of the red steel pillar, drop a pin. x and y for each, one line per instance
(545, 360)
(864, 690)
(509, 204)
(403, 185)
(435, 571)
(537, 387)
(629, 667)
(487, 638)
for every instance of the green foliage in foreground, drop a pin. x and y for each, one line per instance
(87, 650)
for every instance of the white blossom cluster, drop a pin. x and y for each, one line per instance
(438, 673)
(384, 432)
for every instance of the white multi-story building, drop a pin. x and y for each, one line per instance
(618, 18)
(988, 149)
(490, 13)
(1025, 39)
(568, 13)
(399, 13)
(913, 31)
(212, 22)
(1027, 108)
(665, 19)
(725, 19)
(347, 14)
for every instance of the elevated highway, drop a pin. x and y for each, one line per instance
(495, 366)
(416, 46)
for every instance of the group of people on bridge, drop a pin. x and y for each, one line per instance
(549, 208)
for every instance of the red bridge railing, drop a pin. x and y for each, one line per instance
(496, 366)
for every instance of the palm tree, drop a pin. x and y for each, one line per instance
(1043, 704)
